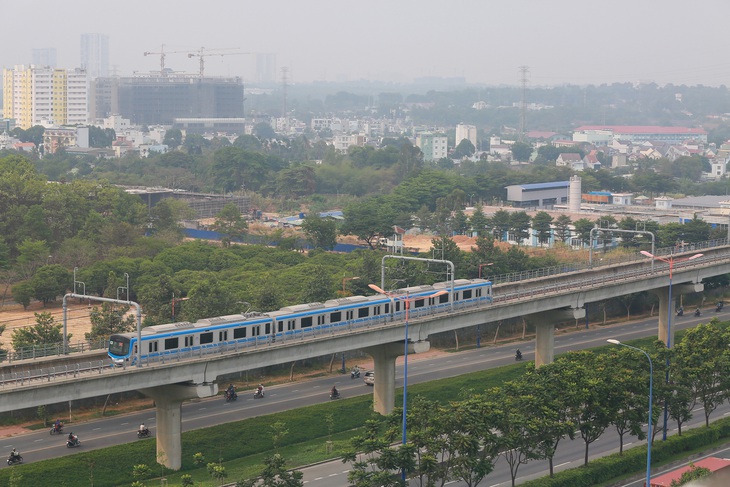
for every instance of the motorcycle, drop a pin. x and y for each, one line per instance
(335, 395)
(355, 374)
(680, 312)
(718, 307)
(55, 430)
(518, 357)
(145, 433)
(258, 394)
(13, 459)
(231, 396)
(698, 312)
(73, 443)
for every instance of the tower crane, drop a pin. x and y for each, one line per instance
(202, 54)
(162, 54)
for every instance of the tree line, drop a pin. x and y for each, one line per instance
(579, 396)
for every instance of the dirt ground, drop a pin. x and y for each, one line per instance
(14, 316)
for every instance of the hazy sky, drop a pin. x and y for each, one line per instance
(485, 41)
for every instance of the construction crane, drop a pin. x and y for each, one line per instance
(162, 54)
(202, 54)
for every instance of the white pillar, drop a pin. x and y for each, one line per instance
(168, 401)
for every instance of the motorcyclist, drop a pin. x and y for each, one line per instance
(518, 354)
(143, 429)
(14, 454)
(680, 311)
(57, 425)
(355, 371)
(73, 438)
(230, 392)
(260, 390)
(334, 392)
(698, 312)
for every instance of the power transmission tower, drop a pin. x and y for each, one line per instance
(524, 71)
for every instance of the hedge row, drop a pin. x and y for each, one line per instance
(633, 461)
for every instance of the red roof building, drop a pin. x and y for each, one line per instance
(718, 466)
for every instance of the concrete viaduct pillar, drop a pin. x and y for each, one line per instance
(384, 357)
(665, 307)
(545, 331)
(168, 402)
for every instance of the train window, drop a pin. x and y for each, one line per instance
(152, 347)
(206, 338)
(171, 343)
(306, 322)
(223, 336)
(444, 298)
(280, 326)
(363, 312)
(188, 341)
(335, 317)
(466, 293)
(419, 303)
(387, 308)
(397, 306)
(268, 328)
(239, 333)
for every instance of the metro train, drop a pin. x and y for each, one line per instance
(230, 332)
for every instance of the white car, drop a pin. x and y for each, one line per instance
(369, 377)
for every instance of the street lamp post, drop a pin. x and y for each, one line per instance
(651, 400)
(344, 280)
(407, 304)
(669, 260)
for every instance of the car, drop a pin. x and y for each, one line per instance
(369, 377)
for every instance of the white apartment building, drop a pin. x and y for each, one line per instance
(77, 97)
(468, 132)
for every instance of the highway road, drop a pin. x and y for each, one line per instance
(209, 412)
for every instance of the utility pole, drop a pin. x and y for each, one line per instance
(524, 71)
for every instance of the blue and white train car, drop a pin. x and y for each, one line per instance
(243, 330)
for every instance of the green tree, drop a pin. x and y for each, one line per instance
(32, 255)
(275, 474)
(583, 229)
(45, 331)
(694, 473)
(319, 286)
(519, 223)
(369, 219)
(500, 223)
(541, 224)
(109, 320)
(173, 138)
(562, 228)
(701, 362)
(217, 471)
(22, 293)
(521, 151)
(320, 232)
(49, 282)
(374, 462)
(208, 298)
(464, 148)
(230, 224)
(479, 221)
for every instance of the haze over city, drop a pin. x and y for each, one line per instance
(562, 41)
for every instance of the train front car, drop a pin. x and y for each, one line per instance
(119, 349)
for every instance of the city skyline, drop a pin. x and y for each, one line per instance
(564, 41)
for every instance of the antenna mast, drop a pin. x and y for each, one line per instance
(524, 71)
